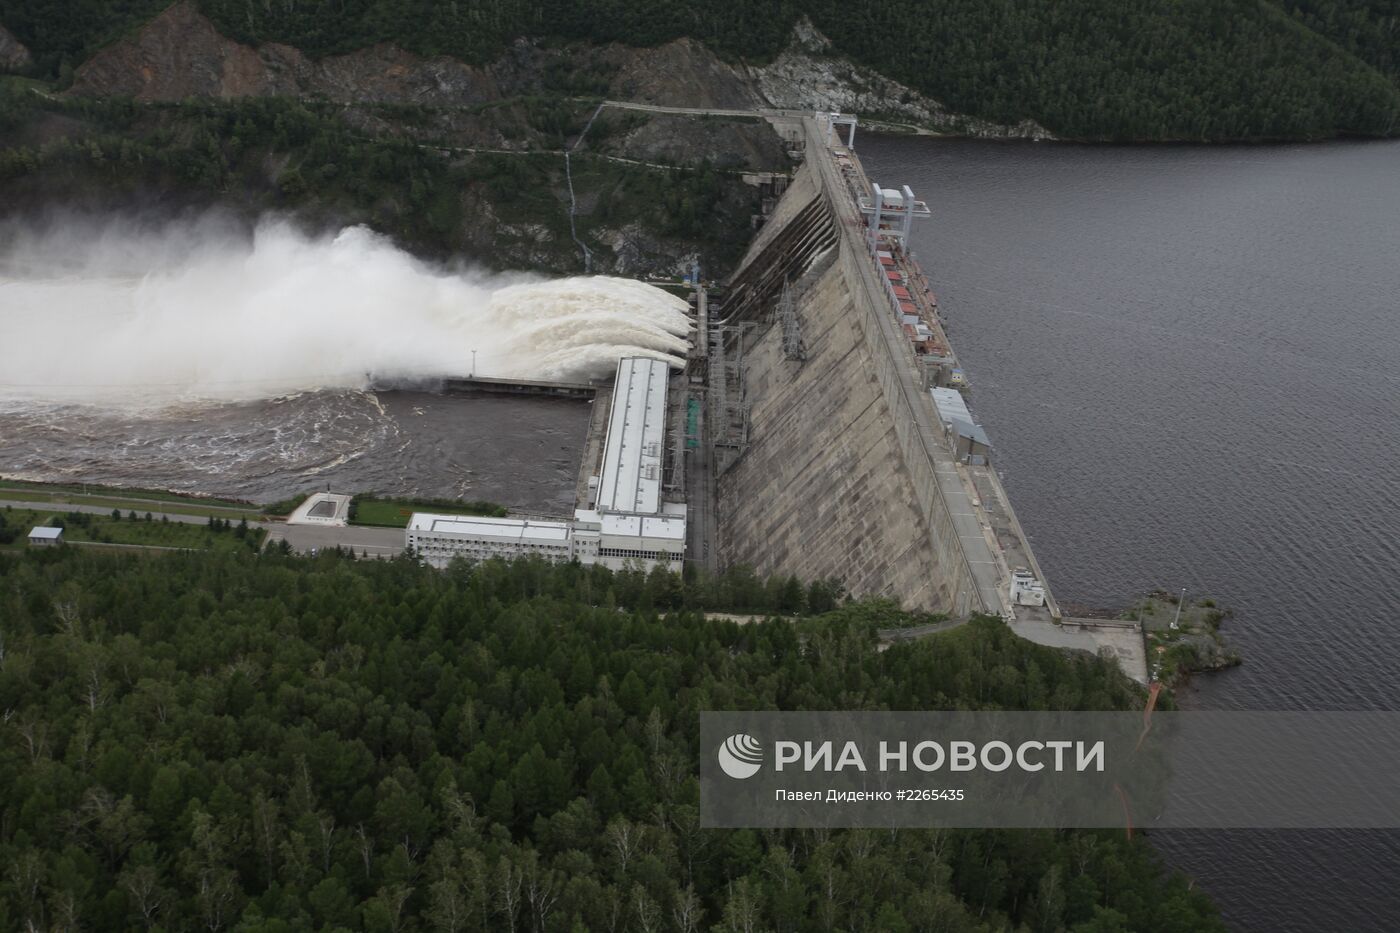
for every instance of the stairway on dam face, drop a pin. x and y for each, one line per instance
(822, 491)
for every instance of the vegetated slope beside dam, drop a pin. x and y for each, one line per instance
(1099, 69)
(448, 161)
(447, 131)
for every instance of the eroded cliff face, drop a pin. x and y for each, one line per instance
(13, 55)
(680, 74)
(180, 54)
(809, 75)
(475, 166)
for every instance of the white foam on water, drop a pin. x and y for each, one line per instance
(191, 313)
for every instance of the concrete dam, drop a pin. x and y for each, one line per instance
(841, 446)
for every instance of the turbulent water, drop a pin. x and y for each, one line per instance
(196, 312)
(520, 452)
(199, 356)
(1185, 358)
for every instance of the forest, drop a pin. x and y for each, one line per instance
(312, 159)
(265, 742)
(1098, 69)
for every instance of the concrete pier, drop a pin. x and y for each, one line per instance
(493, 386)
(590, 463)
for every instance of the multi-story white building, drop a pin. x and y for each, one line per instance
(439, 538)
(632, 540)
(625, 525)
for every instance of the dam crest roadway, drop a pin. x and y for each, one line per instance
(821, 450)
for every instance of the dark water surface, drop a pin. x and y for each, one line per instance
(1187, 362)
(520, 452)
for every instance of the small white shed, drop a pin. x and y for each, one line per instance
(44, 536)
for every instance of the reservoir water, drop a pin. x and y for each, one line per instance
(1186, 360)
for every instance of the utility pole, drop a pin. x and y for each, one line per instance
(1179, 603)
(473, 375)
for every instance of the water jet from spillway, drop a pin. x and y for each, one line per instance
(92, 315)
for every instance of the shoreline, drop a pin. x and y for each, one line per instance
(893, 129)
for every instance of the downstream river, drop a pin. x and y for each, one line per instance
(520, 452)
(1186, 360)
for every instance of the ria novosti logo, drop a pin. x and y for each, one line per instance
(740, 756)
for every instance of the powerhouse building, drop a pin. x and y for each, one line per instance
(625, 523)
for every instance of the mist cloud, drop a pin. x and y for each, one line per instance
(110, 316)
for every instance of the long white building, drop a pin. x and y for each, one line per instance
(439, 538)
(626, 525)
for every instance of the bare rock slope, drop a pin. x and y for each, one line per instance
(13, 55)
(180, 54)
(809, 75)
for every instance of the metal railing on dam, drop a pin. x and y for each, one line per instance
(947, 508)
(819, 222)
(848, 471)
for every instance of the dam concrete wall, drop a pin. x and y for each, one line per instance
(845, 474)
(841, 469)
(822, 492)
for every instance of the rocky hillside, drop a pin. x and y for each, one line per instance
(1201, 70)
(180, 54)
(13, 55)
(810, 75)
(453, 159)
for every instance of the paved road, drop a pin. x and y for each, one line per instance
(133, 547)
(708, 111)
(376, 542)
(893, 636)
(478, 150)
(59, 507)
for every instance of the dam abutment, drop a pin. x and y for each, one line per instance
(847, 468)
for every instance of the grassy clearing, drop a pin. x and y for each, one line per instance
(96, 494)
(395, 513)
(89, 528)
(141, 506)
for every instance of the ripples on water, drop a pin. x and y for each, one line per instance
(523, 453)
(1185, 358)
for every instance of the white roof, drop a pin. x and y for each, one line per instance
(43, 531)
(630, 480)
(525, 531)
(673, 528)
(643, 526)
(950, 404)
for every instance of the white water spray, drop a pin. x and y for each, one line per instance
(192, 313)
